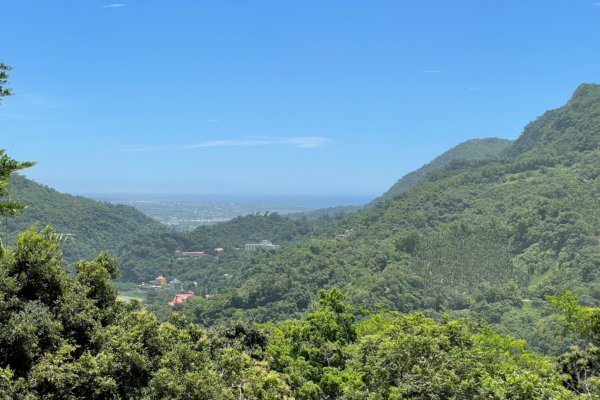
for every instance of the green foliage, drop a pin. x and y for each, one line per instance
(4, 91)
(580, 363)
(7, 167)
(584, 320)
(96, 275)
(249, 229)
(414, 357)
(573, 127)
(393, 356)
(65, 336)
(7, 164)
(490, 238)
(147, 255)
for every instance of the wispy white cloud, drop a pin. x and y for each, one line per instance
(432, 71)
(596, 4)
(114, 5)
(303, 142)
(308, 142)
(474, 89)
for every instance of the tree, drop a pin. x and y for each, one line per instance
(4, 91)
(581, 364)
(7, 164)
(7, 167)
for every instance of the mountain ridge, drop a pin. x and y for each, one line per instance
(574, 126)
(469, 150)
(89, 226)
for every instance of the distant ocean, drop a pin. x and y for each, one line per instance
(299, 201)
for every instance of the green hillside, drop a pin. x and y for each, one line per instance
(489, 237)
(474, 149)
(573, 127)
(94, 226)
(496, 240)
(249, 229)
(149, 254)
(65, 335)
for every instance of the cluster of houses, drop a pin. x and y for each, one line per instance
(160, 282)
(175, 285)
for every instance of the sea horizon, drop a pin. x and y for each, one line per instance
(306, 201)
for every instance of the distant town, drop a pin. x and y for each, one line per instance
(188, 215)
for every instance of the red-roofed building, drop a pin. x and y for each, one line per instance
(180, 298)
(179, 253)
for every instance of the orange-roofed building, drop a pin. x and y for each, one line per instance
(160, 281)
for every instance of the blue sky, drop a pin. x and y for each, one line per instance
(277, 97)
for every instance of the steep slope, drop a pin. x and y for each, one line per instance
(573, 127)
(91, 226)
(471, 150)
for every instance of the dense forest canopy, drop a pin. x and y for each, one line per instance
(437, 280)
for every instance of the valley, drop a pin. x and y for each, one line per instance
(300, 200)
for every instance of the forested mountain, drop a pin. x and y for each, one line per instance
(474, 149)
(145, 248)
(91, 226)
(488, 237)
(497, 239)
(151, 254)
(572, 128)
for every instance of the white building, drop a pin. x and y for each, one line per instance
(264, 245)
